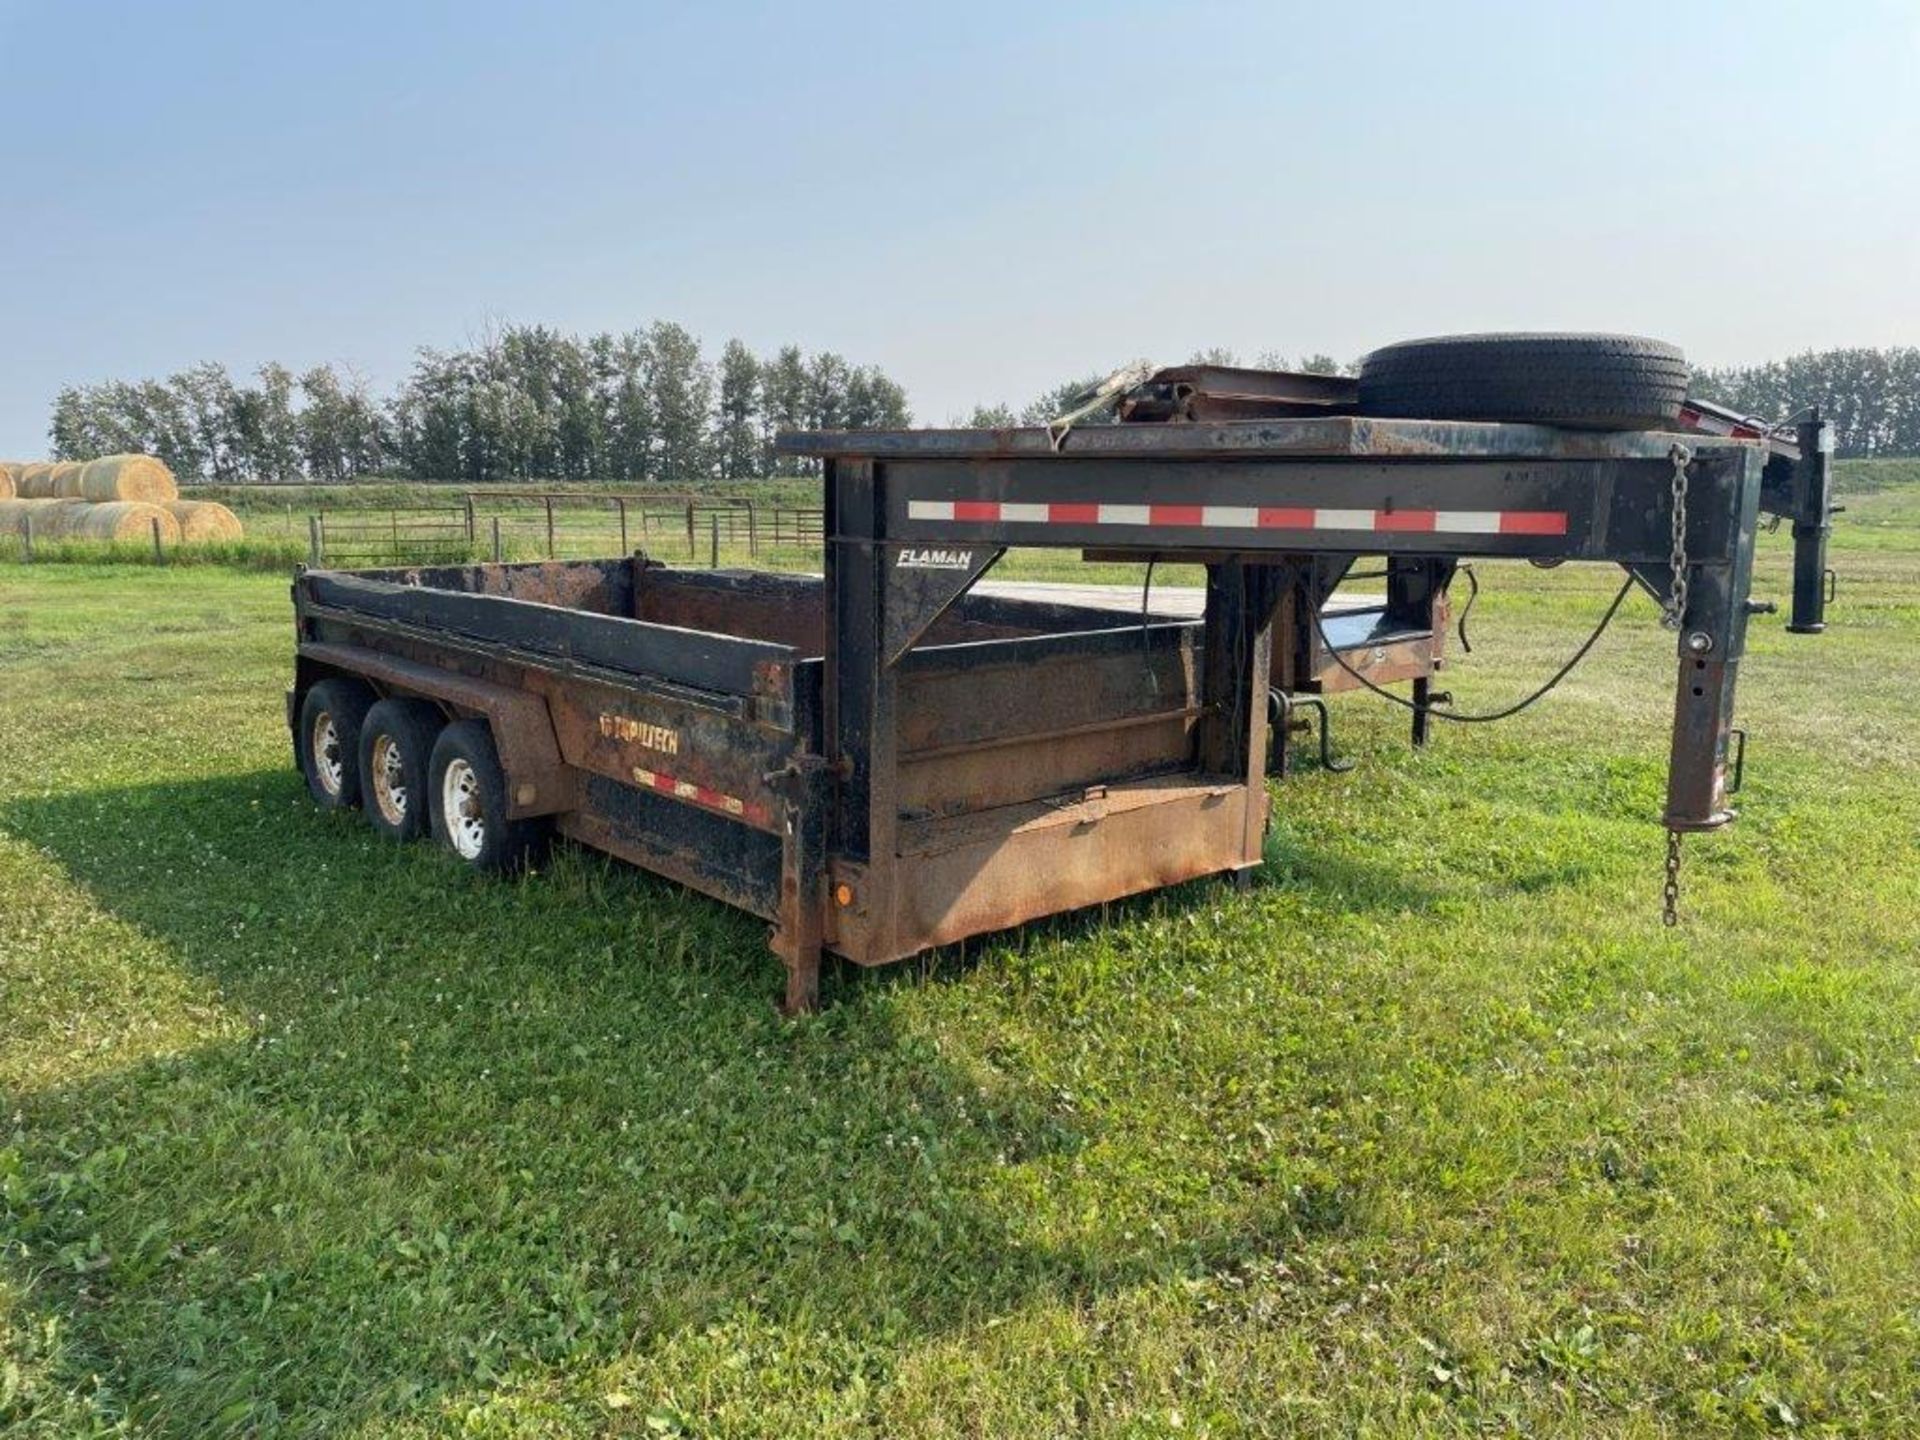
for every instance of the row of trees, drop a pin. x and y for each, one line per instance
(207, 426)
(1871, 396)
(531, 403)
(526, 403)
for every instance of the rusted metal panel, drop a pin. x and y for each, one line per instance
(601, 587)
(1384, 664)
(955, 695)
(784, 609)
(960, 781)
(991, 724)
(983, 872)
(790, 609)
(706, 851)
(667, 745)
(520, 628)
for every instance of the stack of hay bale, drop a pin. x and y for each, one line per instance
(117, 497)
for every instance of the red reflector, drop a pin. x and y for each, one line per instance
(1279, 518)
(1404, 519)
(1533, 522)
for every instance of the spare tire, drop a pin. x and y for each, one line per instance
(1590, 382)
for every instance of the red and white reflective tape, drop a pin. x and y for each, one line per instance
(699, 795)
(1244, 517)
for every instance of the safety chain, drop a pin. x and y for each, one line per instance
(1675, 610)
(1672, 614)
(1670, 914)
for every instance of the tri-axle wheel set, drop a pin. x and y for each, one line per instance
(412, 770)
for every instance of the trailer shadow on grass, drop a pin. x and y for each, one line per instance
(481, 1131)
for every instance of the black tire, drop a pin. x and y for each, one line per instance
(477, 828)
(396, 743)
(331, 714)
(1588, 382)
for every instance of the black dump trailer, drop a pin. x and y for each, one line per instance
(883, 759)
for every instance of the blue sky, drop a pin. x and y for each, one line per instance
(982, 198)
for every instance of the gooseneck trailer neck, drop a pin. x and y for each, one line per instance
(1278, 511)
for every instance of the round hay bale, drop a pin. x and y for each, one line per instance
(205, 520)
(118, 520)
(127, 477)
(13, 514)
(48, 517)
(35, 481)
(54, 519)
(8, 489)
(64, 479)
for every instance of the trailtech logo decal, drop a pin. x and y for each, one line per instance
(640, 732)
(923, 558)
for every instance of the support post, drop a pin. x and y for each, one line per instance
(1724, 495)
(713, 554)
(497, 553)
(26, 533)
(1236, 671)
(693, 544)
(798, 936)
(621, 502)
(159, 554)
(1291, 644)
(549, 500)
(469, 509)
(1812, 524)
(859, 695)
(753, 533)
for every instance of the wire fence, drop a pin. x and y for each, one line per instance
(522, 525)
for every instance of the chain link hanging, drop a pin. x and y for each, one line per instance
(1673, 614)
(1675, 610)
(1670, 894)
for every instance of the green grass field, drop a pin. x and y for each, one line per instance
(1435, 1131)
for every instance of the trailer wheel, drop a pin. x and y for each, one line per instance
(467, 789)
(396, 741)
(1591, 382)
(331, 714)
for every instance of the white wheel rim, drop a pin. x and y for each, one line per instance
(389, 779)
(328, 764)
(460, 803)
